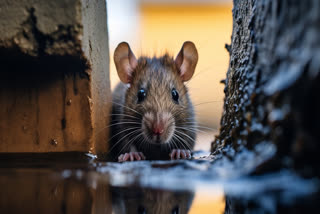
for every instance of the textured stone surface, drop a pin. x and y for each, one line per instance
(272, 101)
(54, 86)
(272, 85)
(37, 27)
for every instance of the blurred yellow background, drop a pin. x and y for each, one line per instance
(207, 204)
(154, 27)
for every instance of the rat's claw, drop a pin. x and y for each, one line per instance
(183, 154)
(120, 158)
(180, 153)
(189, 154)
(126, 157)
(131, 156)
(172, 154)
(142, 155)
(137, 157)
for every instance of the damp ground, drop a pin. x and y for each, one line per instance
(202, 185)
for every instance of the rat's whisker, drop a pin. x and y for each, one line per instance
(125, 115)
(115, 125)
(142, 143)
(209, 102)
(183, 142)
(132, 128)
(191, 119)
(118, 123)
(185, 135)
(204, 127)
(98, 132)
(127, 107)
(128, 143)
(133, 132)
(178, 112)
(194, 130)
(187, 129)
(174, 143)
(169, 143)
(203, 71)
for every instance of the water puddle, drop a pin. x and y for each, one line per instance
(195, 186)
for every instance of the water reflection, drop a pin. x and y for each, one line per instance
(156, 201)
(49, 191)
(44, 191)
(52, 186)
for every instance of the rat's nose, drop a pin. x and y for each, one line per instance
(157, 129)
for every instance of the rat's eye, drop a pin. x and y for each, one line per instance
(141, 95)
(175, 95)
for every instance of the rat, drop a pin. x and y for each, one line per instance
(152, 114)
(150, 201)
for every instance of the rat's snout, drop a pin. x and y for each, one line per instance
(158, 128)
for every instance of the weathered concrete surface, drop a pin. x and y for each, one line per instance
(54, 86)
(272, 85)
(37, 27)
(272, 98)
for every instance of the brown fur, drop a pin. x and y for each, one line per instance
(157, 76)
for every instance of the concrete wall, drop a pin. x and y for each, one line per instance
(272, 84)
(54, 86)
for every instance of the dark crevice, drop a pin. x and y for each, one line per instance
(41, 39)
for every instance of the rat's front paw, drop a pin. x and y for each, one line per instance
(180, 154)
(131, 156)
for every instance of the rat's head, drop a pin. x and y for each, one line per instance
(157, 100)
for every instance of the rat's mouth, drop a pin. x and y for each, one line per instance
(156, 139)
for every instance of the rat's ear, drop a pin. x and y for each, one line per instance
(186, 60)
(125, 62)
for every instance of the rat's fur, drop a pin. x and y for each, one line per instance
(158, 76)
(152, 114)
